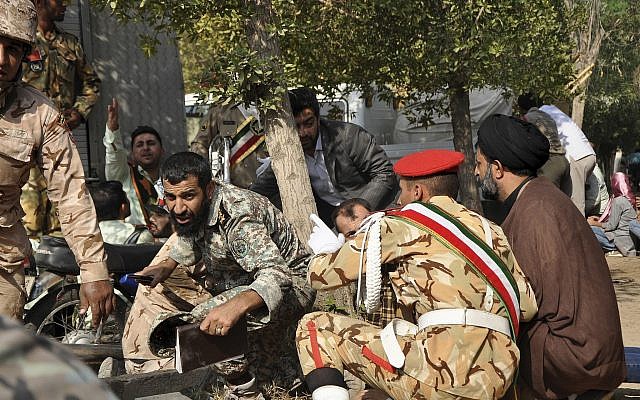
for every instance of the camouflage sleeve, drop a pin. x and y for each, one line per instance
(184, 251)
(61, 167)
(89, 84)
(34, 367)
(254, 250)
(116, 167)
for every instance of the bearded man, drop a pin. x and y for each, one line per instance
(254, 267)
(573, 347)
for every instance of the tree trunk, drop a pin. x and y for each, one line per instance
(287, 158)
(577, 111)
(463, 142)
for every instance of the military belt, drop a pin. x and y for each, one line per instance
(443, 317)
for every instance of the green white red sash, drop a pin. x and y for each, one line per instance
(245, 141)
(457, 237)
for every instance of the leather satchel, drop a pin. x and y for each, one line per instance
(195, 348)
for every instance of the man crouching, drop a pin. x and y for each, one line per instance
(455, 275)
(254, 266)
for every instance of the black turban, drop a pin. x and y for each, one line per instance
(517, 144)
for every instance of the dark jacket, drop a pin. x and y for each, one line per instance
(357, 166)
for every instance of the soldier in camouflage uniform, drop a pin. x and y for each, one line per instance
(33, 132)
(33, 367)
(253, 266)
(225, 120)
(463, 346)
(56, 66)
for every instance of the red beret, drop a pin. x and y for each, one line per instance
(428, 162)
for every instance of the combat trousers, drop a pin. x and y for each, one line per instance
(271, 357)
(14, 247)
(343, 343)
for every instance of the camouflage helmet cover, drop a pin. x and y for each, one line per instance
(18, 20)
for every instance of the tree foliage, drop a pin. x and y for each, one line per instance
(613, 104)
(427, 53)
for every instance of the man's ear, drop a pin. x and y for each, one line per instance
(499, 170)
(420, 192)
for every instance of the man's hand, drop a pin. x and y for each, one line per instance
(73, 118)
(322, 239)
(220, 320)
(594, 221)
(112, 115)
(160, 272)
(99, 296)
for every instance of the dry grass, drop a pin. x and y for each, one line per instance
(215, 391)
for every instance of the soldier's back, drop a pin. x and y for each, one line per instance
(33, 367)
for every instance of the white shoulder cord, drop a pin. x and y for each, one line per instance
(488, 298)
(373, 277)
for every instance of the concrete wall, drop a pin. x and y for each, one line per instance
(150, 90)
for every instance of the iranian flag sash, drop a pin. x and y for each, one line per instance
(459, 239)
(245, 141)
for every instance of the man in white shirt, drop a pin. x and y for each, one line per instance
(140, 175)
(582, 158)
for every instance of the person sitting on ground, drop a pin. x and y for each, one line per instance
(159, 222)
(343, 161)
(112, 207)
(255, 267)
(612, 227)
(464, 344)
(140, 177)
(574, 343)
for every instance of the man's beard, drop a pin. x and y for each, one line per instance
(198, 220)
(488, 186)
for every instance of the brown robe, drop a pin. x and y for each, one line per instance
(574, 343)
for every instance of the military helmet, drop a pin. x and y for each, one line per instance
(18, 20)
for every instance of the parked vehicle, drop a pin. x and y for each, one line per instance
(53, 289)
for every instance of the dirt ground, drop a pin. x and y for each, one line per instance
(625, 273)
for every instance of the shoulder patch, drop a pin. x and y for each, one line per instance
(239, 248)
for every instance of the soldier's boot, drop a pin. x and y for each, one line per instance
(244, 391)
(327, 384)
(330, 392)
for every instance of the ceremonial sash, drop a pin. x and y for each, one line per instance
(245, 141)
(458, 238)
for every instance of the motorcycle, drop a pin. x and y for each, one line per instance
(53, 289)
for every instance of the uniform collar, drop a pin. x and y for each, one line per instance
(216, 203)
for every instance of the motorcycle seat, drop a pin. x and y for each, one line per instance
(54, 255)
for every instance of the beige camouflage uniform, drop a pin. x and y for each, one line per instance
(33, 367)
(442, 362)
(63, 65)
(247, 244)
(211, 125)
(33, 132)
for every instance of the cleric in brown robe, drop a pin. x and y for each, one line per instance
(574, 344)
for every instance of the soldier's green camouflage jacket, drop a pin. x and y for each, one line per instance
(247, 241)
(441, 361)
(62, 66)
(33, 367)
(33, 132)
